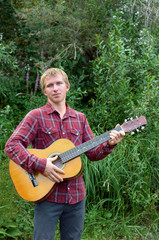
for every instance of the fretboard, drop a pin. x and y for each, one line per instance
(84, 147)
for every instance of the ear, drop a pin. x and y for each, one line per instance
(44, 92)
(68, 87)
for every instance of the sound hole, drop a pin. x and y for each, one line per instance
(58, 163)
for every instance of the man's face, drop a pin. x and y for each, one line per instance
(56, 89)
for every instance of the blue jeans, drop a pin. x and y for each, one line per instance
(47, 214)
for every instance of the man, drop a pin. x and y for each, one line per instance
(41, 127)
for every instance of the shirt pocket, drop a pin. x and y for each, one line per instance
(74, 136)
(50, 135)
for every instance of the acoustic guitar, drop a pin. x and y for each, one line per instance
(36, 187)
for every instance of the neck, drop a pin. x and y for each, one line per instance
(60, 108)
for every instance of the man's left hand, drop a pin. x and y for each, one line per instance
(115, 136)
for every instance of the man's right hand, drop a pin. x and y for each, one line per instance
(52, 172)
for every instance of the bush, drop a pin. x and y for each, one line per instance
(126, 79)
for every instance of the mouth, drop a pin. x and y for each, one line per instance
(56, 95)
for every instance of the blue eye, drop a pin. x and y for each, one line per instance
(49, 85)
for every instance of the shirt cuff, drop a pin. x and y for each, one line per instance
(42, 165)
(107, 146)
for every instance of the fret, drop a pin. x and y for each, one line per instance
(84, 147)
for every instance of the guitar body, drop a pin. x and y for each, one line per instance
(45, 186)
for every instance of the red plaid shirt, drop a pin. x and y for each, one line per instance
(41, 127)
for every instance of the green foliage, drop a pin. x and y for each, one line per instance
(124, 187)
(8, 26)
(126, 78)
(100, 225)
(8, 75)
(9, 230)
(126, 181)
(7, 60)
(6, 125)
(72, 21)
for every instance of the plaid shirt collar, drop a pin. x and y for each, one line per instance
(69, 111)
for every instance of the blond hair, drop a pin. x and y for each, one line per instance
(51, 72)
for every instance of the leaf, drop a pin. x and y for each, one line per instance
(2, 232)
(108, 215)
(10, 225)
(13, 233)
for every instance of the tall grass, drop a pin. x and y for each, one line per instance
(125, 184)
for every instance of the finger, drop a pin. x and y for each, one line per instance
(115, 133)
(111, 142)
(122, 133)
(56, 169)
(55, 173)
(55, 178)
(116, 137)
(53, 159)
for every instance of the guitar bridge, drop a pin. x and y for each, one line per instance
(33, 179)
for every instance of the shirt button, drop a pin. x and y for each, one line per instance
(63, 133)
(68, 188)
(49, 132)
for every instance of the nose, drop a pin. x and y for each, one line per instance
(55, 87)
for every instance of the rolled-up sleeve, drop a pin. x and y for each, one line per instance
(16, 146)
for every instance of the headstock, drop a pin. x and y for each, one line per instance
(133, 124)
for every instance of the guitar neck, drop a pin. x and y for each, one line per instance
(84, 147)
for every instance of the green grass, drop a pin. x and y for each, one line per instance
(99, 224)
